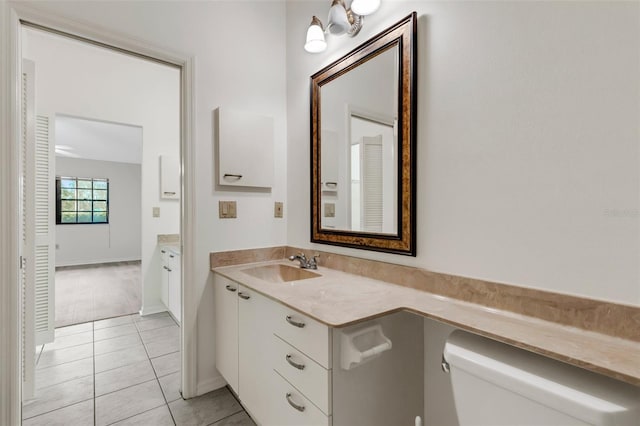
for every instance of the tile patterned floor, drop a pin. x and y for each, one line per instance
(121, 371)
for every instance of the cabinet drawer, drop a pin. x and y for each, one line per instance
(285, 398)
(307, 335)
(313, 380)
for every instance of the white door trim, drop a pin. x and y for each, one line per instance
(10, 55)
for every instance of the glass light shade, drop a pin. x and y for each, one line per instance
(315, 37)
(364, 7)
(338, 21)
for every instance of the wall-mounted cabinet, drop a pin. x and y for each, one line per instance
(245, 148)
(169, 178)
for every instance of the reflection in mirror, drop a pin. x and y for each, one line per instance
(363, 145)
(359, 147)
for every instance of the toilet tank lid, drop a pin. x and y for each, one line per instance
(577, 392)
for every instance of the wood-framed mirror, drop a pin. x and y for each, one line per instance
(363, 145)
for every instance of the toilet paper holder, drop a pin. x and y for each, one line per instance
(362, 345)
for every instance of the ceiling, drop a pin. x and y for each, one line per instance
(98, 140)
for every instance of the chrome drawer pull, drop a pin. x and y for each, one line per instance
(293, 404)
(226, 175)
(244, 296)
(294, 323)
(294, 364)
(228, 287)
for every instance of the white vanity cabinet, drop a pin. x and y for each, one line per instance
(164, 276)
(226, 329)
(243, 327)
(276, 359)
(255, 315)
(171, 281)
(175, 286)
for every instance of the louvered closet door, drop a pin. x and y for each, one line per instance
(44, 191)
(39, 227)
(371, 183)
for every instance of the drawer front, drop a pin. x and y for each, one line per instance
(309, 377)
(307, 335)
(285, 398)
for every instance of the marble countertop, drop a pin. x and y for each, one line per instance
(338, 299)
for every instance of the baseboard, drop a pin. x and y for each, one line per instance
(95, 262)
(153, 309)
(211, 384)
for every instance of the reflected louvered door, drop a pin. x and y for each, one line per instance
(44, 205)
(371, 183)
(27, 252)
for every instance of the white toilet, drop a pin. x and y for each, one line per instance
(496, 384)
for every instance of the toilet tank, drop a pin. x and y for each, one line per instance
(497, 384)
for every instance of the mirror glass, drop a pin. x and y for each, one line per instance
(359, 151)
(363, 145)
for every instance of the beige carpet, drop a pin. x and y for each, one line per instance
(94, 292)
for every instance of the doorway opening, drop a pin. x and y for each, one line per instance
(111, 118)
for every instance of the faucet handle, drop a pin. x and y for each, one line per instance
(313, 262)
(302, 256)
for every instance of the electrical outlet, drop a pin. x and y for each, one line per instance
(156, 212)
(278, 209)
(227, 209)
(329, 210)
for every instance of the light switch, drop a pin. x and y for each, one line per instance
(156, 212)
(227, 209)
(329, 210)
(278, 209)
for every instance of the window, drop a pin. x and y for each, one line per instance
(81, 200)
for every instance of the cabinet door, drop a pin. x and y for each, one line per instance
(226, 329)
(245, 149)
(175, 286)
(255, 354)
(169, 177)
(164, 274)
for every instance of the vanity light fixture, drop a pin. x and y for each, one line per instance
(342, 20)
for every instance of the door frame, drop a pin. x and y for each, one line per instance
(11, 16)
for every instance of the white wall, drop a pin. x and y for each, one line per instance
(527, 140)
(239, 50)
(118, 240)
(81, 80)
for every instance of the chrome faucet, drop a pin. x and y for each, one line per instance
(304, 262)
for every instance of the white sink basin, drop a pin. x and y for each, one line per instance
(280, 273)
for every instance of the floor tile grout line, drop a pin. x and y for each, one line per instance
(158, 380)
(145, 411)
(62, 382)
(226, 417)
(56, 409)
(63, 363)
(70, 346)
(127, 387)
